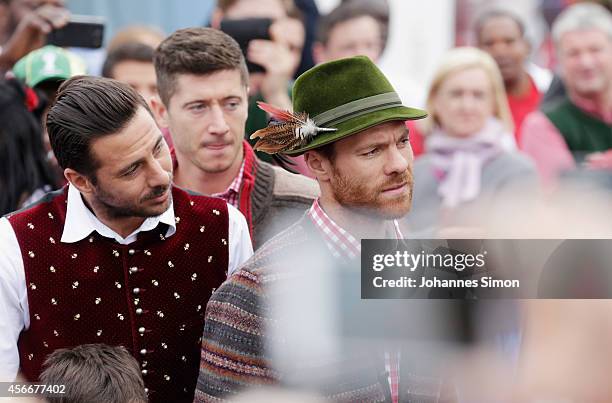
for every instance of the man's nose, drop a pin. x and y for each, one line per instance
(158, 175)
(217, 125)
(396, 162)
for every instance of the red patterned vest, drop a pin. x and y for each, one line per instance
(148, 296)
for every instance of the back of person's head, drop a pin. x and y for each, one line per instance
(87, 108)
(582, 17)
(464, 58)
(129, 51)
(94, 373)
(23, 165)
(146, 35)
(196, 51)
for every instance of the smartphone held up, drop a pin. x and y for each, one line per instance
(83, 31)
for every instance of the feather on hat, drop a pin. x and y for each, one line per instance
(287, 132)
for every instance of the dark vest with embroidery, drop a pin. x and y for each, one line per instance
(148, 296)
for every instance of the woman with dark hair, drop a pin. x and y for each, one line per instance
(24, 172)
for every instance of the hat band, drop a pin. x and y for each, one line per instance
(356, 108)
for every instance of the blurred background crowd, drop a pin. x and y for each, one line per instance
(510, 75)
(518, 142)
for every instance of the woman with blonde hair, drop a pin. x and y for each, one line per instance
(470, 156)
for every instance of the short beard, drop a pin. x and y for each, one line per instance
(114, 209)
(356, 196)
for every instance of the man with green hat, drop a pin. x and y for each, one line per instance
(46, 68)
(348, 122)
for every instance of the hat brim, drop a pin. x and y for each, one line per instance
(361, 123)
(44, 79)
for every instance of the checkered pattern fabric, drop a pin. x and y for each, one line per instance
(231, 193)
(338, 240)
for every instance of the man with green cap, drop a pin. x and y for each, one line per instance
(348, 122)
(47, 68)
(44, 70)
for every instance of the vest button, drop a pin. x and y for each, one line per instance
(138, 311)
(144, 372)
(133, 269)
(141, 330)
(143, 351)
(136, 290)
(131, 251)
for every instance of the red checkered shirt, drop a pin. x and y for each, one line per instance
(231, 193)
(344, 245)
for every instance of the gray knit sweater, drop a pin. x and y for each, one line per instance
(279, 198)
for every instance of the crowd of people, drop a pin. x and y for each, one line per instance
(160, 220)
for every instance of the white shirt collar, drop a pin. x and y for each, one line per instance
(81, 222)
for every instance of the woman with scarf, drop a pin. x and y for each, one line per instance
(470, 161)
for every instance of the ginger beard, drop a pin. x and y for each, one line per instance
(363, 197)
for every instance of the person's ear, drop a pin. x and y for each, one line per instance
(319, 165)
(79, 181)
(159, 111)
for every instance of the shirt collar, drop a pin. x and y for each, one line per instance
(236, 183)
(589, 106)
(81, 222)
(234, 187)
(340, 242)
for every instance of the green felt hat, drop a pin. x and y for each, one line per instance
(349, 95)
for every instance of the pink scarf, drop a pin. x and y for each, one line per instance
(461, 160)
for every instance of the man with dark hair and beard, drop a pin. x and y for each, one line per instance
(356, 144)
(119, 256)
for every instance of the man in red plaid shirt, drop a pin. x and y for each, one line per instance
(349, 124)
(203, 85)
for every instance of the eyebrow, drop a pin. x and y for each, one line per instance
(141, 160)
(207, 101)
(405, 133)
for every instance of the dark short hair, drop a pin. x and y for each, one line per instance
(131, 51)
(349, 11)
(497, 13)
(198, 51)
(94, 373)
(87, 108)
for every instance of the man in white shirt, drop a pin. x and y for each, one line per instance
(119, 256)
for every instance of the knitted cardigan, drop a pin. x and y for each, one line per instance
(279, 198)
(234, 355)
(234, 343)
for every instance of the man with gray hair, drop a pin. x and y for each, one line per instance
(577, 129)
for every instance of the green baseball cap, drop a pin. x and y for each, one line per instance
(48, 63)
(349, 95)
